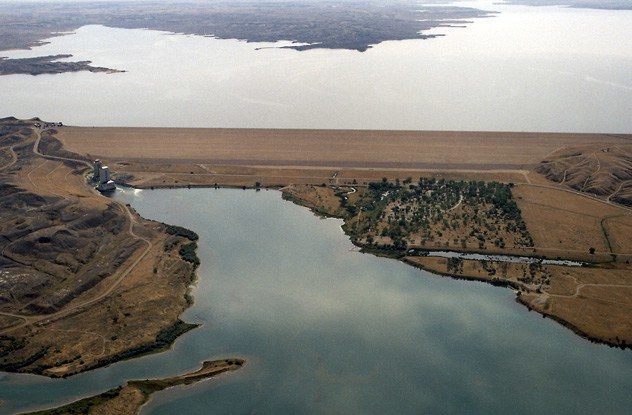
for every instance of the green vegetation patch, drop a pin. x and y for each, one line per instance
(168, 335)
(163, 341)
(8, 345)
(14, 366)
(435, 213)
(184, 232)
(188, 253)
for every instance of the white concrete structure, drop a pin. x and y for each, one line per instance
(101, 175)
(96, 173)
(104, 174)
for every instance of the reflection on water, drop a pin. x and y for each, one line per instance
(326, 329)
(492, 257)
(527, 69)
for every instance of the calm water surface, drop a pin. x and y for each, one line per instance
(527, 69)
(326, 329)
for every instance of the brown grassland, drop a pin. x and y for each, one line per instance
(84, 281)
(324, 170)
(601, 170)
(337, 149)
(594, 302)
(571, 190)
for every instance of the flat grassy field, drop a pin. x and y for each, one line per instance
(326, 148)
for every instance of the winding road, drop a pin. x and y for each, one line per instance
(29, 320)
(14, 158)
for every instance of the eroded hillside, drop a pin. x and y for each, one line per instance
(81, 276)
(603, 170)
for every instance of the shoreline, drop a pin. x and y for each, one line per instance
(115, 345)
(382, 252)
(402, 257)
(520, 300)
(506, 283)
(134, 394)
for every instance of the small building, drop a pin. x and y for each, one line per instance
(96, 173)
(101, 175)
(104, 174)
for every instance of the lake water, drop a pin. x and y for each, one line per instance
(326, 329)
(527, 69)
(499, 258)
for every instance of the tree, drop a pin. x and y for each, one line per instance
(591, 250)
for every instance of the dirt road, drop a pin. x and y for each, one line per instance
(69, 310)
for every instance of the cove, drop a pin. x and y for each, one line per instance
(326, 329)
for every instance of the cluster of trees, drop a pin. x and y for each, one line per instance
(188, 253)
(455, 265)
(535, 273)
(488, 212)
(184, 232)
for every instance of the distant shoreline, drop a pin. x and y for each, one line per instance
(313, 25)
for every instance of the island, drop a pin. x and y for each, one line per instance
(47, 65)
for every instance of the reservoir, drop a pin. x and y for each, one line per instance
(326, 329)
(525, 69)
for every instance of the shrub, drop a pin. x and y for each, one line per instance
(187, 253)
(184, 232)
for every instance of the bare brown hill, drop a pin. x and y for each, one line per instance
(80, 275)
(603, 170)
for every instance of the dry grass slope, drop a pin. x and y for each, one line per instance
(604, 170)
(81, 277)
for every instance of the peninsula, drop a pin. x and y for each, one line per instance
(128, 399)
(81, 276)
(47, 65)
